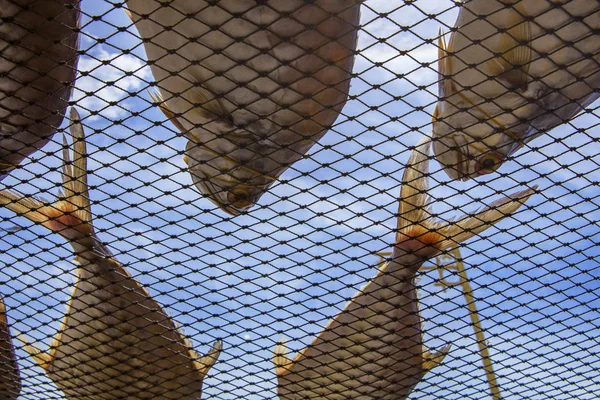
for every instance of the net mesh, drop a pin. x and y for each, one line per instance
(277, 193)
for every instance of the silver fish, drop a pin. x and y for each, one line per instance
(40, 43)
(115, 341)
(524, 69)
(373, 349)
(10, 379)
(252, 85)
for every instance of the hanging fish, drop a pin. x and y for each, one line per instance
(253, 85)
(373, 349)
(115, 342)
(505, 79)
(40, 43)
(10, 379)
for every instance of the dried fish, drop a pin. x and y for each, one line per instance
(252, 85)
(526, 68)
(40, 43)
(115, 341)
(373, 349)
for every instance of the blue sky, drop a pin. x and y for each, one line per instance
(252, 278)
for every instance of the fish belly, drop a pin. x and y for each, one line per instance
(116, 342)
(371, 350)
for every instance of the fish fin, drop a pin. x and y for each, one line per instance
(415, 184)
(162, 105)
(432, 360)
(77, 184)
(42, 358)
(419, 232)
(205, 103)
(446, 87)
(129, 14)
(205, 363)
(70, 216)
(469, 226)
(283, 364)
(512, 66)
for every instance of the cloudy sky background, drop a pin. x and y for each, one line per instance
(251, 279)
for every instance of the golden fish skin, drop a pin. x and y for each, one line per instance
(115, 341)
(10, 379)
(545, 71)
(373, 349)
(250, 86)
(40, 44)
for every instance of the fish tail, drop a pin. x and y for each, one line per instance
(419, 233)
(70, 216)
(42, 358)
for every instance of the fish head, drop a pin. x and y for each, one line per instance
(230, 173)
(468, 147)
(234, 187)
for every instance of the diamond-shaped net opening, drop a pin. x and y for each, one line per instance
(293, 200)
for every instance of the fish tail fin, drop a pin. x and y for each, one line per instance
(42, 358)
(69, 216)
(421, 234)
(204, 364)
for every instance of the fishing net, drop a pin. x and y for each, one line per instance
(254, 191)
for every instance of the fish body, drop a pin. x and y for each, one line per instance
(39, 45)
(10, 379)
(505, 79)
(115, 341)
(373, 349)
(252, 85)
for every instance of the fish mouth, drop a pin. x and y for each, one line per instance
(233, 197)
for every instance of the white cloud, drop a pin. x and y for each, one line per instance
(105, 78)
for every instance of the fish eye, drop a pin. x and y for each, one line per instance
(239, 198)
(488, 163)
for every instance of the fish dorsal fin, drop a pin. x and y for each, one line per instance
(157, 98)
(514, 48)
(445, 83)
(432, 360)
(204, 102)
